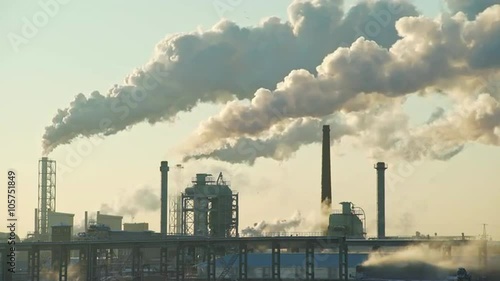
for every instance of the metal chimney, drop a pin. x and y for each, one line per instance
(86, 221)
(380, 167)
(164, 196)
(326, 175)
(36, 221)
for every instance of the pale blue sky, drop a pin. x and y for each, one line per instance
(91, 45)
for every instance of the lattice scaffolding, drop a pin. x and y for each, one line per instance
(175, 211)
(46, 193)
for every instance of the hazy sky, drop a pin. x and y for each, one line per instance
(92, 45)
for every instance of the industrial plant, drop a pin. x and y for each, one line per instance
(200, 238)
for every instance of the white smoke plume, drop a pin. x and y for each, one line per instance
(278, 227)
(287, 137)
(143, 199)
(227, 61)
(414, 260)
(279, 146)
(313, 222)
(476, 119)
(432, 55)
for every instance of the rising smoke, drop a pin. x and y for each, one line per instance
(224, 62)
(270, 228)
(431, 56)
(336, 69)
(313, 222)
(143, 199)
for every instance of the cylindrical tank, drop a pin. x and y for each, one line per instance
(220, 217)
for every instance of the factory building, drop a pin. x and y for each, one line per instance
(60, 219)
(113, 222)
(210, 208)
(136, 227)
(292, 266)
(347, 223)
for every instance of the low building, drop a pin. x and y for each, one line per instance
(143, 226)
(113, 222)
(60, 219)
(346, 223)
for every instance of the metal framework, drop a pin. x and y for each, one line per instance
(343, 261)
(46, 194)
(310, 261)
(175, 212)
(196, 207)
(92, 252)
(243, 262)
(34, 264)
(276, 261)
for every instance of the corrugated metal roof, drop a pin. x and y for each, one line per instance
(293, 259)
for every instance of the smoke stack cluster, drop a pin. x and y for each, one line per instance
(164, 196)
(326, 176)
(380, 167)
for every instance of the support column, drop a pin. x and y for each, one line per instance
(243, 262)
(107, 262)
(163, 261)
(91, 262)
(179, 262)
(63, 263)
(343, 260)
(210, 257)
(276, 261)
(34, 264)
(136, 263)
(310, 261)
(83, 262)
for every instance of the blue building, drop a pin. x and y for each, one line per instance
(293, 265)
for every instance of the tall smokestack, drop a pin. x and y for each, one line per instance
(86, 221)
(326, 176)
(164, 195)
(380, 167)
(36, 221)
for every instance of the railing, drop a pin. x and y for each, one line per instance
(425, 237)
(285, 234)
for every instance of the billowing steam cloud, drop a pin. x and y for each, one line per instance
(427, 263)
(226, 61)
(432, 55)
(279, 146)
(384, 128)
(143, 199)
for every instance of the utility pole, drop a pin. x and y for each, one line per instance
(485, 235)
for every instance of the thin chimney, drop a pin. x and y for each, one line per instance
(380, 167)
(164, 196)
(326, 176)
